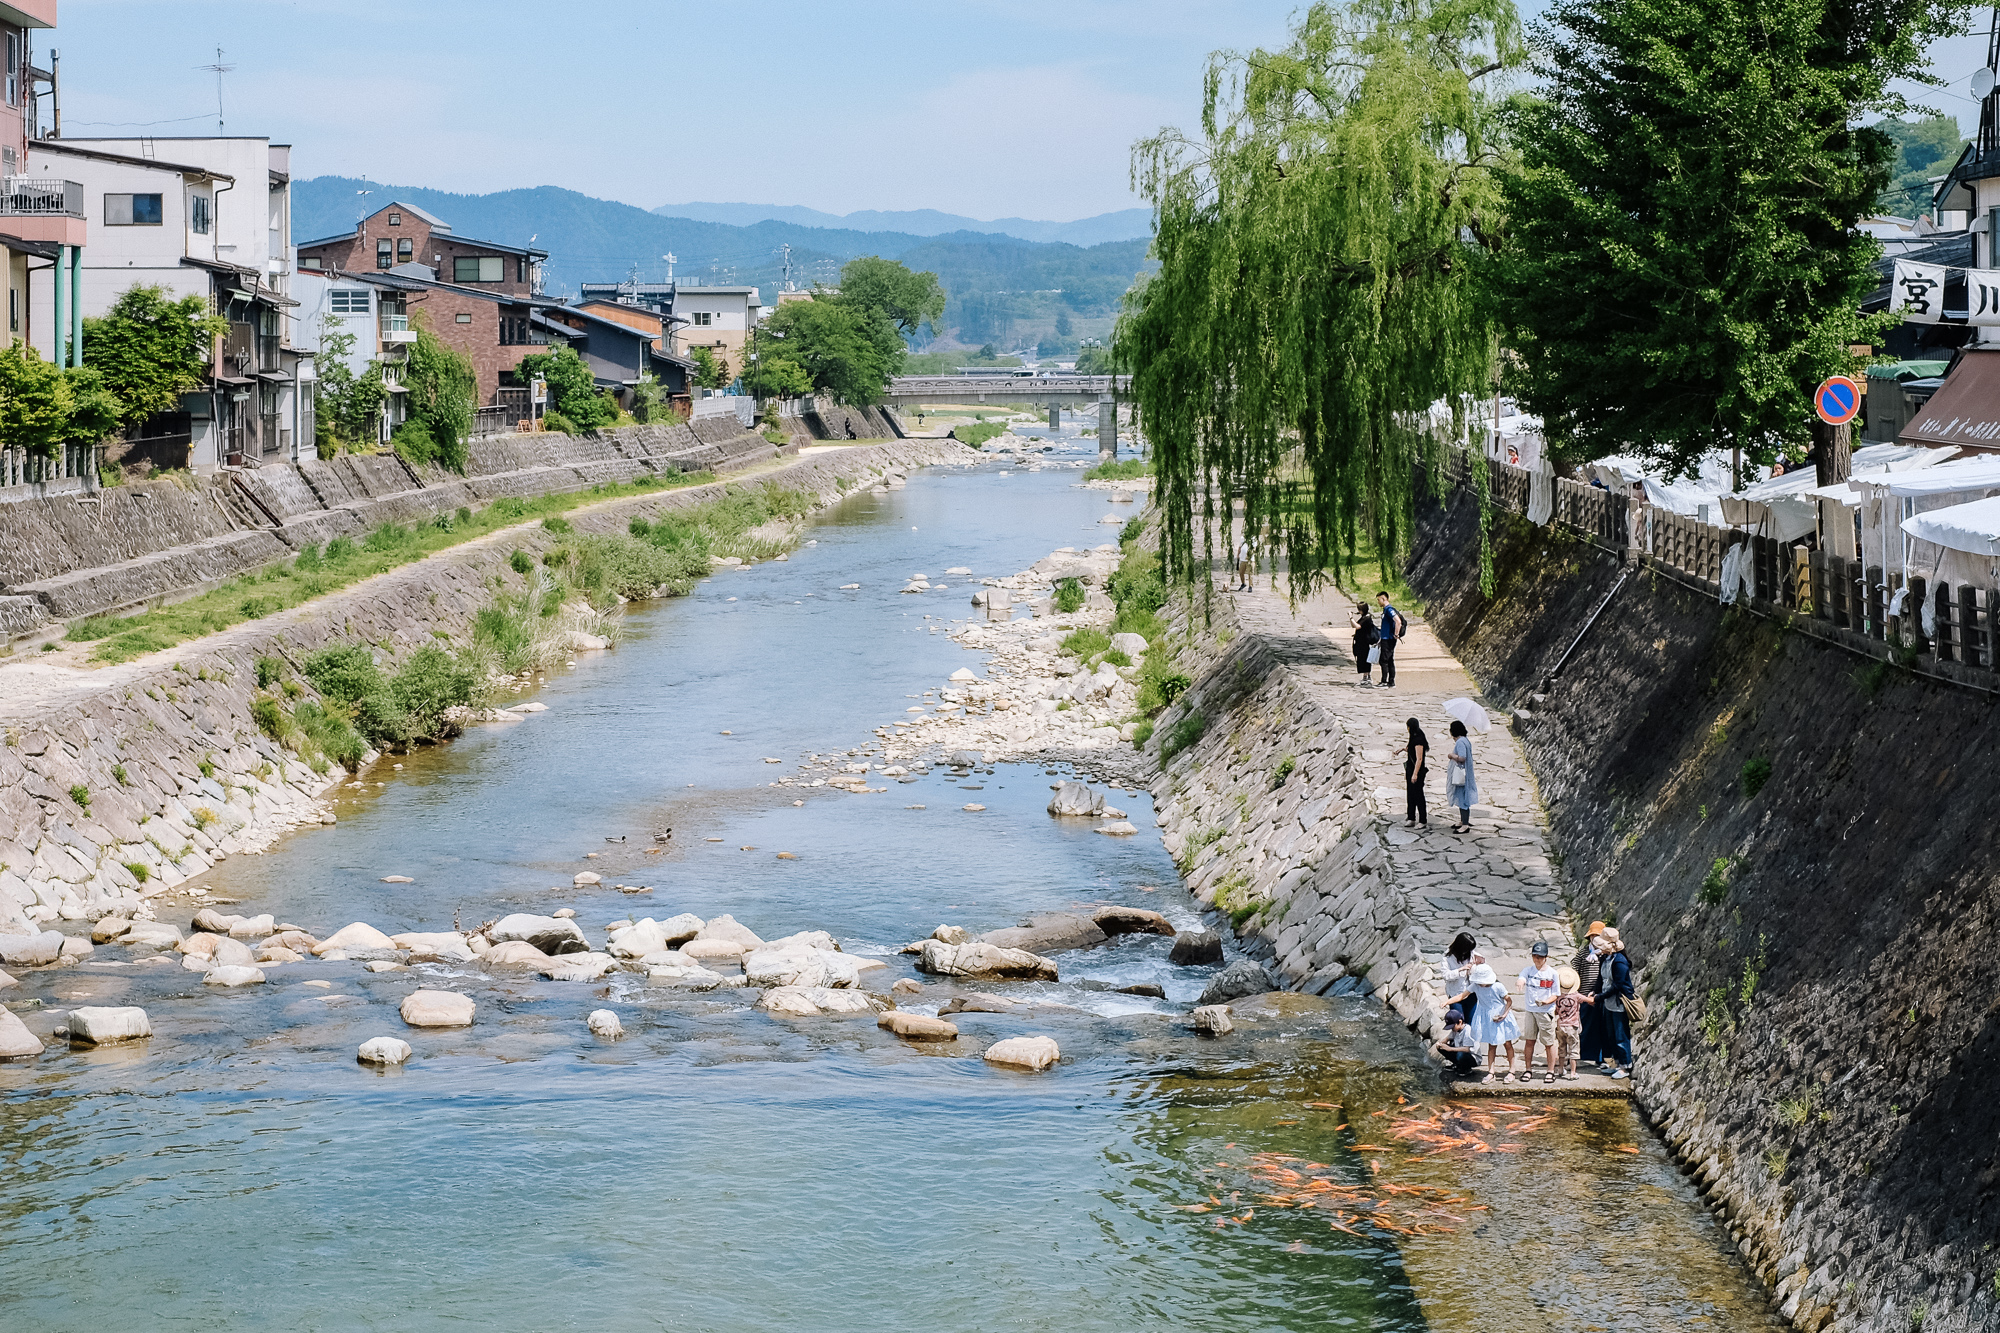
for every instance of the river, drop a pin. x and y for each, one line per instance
(718, 1169)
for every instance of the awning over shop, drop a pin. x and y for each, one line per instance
(1965, 411)
(1973, 528)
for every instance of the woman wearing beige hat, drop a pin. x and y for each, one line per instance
(1614, 987)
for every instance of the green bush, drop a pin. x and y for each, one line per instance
(638, 527)
(1070, 596)
(429, 683)
(977, 434)
(1755, 774)
(331, 735)
(348, 676)
(1185, 733)
(1125, 469)
(1086, 643)
(413, 443)
(1134, 527)
(1118, 658)
(521, 562)
(627, 567)
(1286, 767)
(270, 718)
(556, 421)
(1715, 884)
(140, 870)
(1142, 733)
(559, 526)
(81, 795)
(118, 775)
(270, 670)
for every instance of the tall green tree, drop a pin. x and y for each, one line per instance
(845, 351)
(442, 386)
(347, 411)
(43, 407)
(908, 300)
(1682, 265)
(1925, 147)
(151, 348)
(1316, 291)
(572, 388)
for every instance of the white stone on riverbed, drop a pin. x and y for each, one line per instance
(604, 1023)
(440, 946)
(800, 967)
(552, 935)
(109, 928)
(1033, 1054)
(680, 929)
(233, 976)
(100, 1026)
(437, 1009)
(805, 939)
(982, 960)
(699, 949)
(917, 1027)
(278, 953)
(637, 940)
(1212, 1020)
(1120, 829)
(31, 950)
(252, 927)
(585, 878)
(578, 966)
(383, 1051)
(513, 953)
(689, 975)
(15, 1039)
(354, 937)
(814, 1001)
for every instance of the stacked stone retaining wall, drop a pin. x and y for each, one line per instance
(104, 796)
(1798, 843)
(74, 555)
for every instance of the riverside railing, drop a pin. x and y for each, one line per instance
(1950, 629)
(26, 473)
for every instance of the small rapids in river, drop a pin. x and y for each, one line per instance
(721, 1169)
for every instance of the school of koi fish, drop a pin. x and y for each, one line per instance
(1379, 1207)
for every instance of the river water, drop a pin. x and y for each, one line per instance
(718, 1169)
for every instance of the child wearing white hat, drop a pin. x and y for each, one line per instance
(1493, 1022)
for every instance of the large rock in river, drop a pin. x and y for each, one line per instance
(1050, 932)
(15, 1039)
(1033, 1054)
(437, 1009)
(1131, 921)
(514, 953)
(1074, 798)
(916, 1027)
(800, 967)
(982, 960)
(1196, 948)
(101, 1026)
(814, 1001)
(1240, 978)
(729, 928)
(383, 1051)
(441, 946)
(551, 934)
(31, 950)
(358, 936)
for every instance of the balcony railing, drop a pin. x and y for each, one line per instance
(396, 329)
(35, 196)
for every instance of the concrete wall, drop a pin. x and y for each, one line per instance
(158, 720)
(1822, 1059)
(70, 556)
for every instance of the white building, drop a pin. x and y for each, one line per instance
(718, 318)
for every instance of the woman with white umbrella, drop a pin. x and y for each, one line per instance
(1461, 786)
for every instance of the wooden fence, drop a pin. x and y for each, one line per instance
(1951, 629)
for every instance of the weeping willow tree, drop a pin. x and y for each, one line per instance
(1317, 290)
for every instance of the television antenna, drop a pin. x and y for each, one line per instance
(218, 69)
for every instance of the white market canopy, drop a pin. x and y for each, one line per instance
(1965, 474)
(1973, 528)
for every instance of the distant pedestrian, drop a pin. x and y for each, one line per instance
(1414, 772)
(1461, 785)
(1538, 1016)
(1456, 967)
(1569, 1021)
(1246, 556)
(1614, 988)
(1493, 1024)
(1590, 1046)
(1457, 1046)
(1363, 624)
(1391, 632)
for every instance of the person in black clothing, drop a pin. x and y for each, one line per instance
(1364, 639)
(1414, 755)
(1390, 631)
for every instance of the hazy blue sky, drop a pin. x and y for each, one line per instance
(983, 107)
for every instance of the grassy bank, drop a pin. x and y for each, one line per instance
(1125, 469)
(339, 564)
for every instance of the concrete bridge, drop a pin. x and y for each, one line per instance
(1011, 390)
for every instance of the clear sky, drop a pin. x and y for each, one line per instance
(988, 108)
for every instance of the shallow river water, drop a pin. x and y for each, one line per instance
(718, 1169)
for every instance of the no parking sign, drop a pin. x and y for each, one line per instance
(1837, 400)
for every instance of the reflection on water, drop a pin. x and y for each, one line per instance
(721, 1170)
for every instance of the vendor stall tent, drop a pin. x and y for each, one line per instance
(1794, 505)
(1888, 501)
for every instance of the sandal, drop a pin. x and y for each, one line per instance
(1548, 1078)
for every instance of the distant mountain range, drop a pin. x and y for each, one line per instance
(1000, 288)
(1130, 224)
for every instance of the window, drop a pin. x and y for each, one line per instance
(520, 269)
(490, 268)
(14, 309)
(462, 319)
(349, 300)
(395, 219)
(403, 252)
(310, 261)
(198, 214)
(701, 319)
(131, 210)
(385, 253)
(13, 69)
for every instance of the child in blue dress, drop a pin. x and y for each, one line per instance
(1493, 1023)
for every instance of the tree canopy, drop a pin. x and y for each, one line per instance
(442, 385)
(909, 300)
(572, 388)
(44, 407)
(1316, 291)
(150, 349)
(1682, 264)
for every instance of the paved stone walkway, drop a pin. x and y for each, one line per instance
(1497, 881)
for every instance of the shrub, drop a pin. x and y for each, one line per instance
(1715, 884)
(638, 527)
(331, 735)
(560, 526)
(1285, 768)
(1070, 596)
(1755, 774)
(1125, 469)
(1134, 526)
(977, 434)
(556, 421)
(1142, 733)
(429, 683)
(140, 870)
(1185, 733)
(270, 670)
(202, 816)
(270, 718)
(81, 795)
(620, 565)
(1118, 658)
(521, 562)
(413, 443)
(118, 774)
(348, 676)
(1086, 643)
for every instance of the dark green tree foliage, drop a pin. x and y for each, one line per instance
(843, 351)
(572, 388)
(150, 349)
(1315, 292)
(1683, 267)
(348, 408)
(711, 370)
(909, 300)
(43, 408)
(442, 386)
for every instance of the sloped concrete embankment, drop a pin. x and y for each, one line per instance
(70, 556)
(1800, 845)
(1300, 864)
(160, 770)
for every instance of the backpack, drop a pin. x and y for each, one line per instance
(1367, 631)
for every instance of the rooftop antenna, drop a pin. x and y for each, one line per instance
(218, 69)
(788, 267)
(670, 266)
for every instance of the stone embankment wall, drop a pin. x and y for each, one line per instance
(76, 555)
(1302, 864)
(829, 420)
(159, 768)
(1800, 845)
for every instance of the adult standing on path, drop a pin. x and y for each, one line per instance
(1614, 988)
(1363, 624)
(1456, 968)
(1414, 772)
(1461, 786)
(1590, 1046)
(1392, 629)
(1246, 555)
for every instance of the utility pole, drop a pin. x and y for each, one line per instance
(55, 94)
(788, 267)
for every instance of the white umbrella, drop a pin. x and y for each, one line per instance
(1470, 713)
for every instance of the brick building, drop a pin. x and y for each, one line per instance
(399, 234)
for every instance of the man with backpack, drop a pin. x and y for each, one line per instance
(1391, 629)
